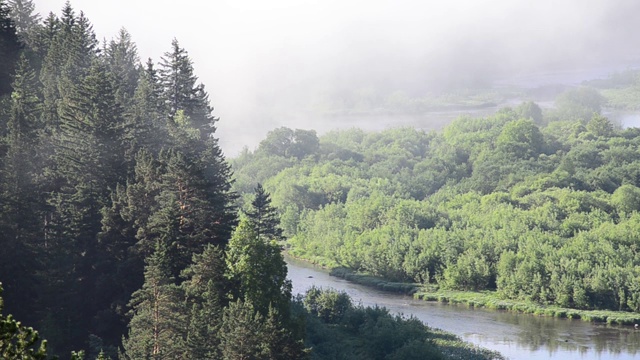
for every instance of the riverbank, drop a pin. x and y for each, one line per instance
(485, 299)
(375, 282)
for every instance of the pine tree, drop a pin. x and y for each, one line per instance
(157, 327)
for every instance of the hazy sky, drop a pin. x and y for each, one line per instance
(256, 56)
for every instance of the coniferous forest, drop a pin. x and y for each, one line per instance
(121, 236)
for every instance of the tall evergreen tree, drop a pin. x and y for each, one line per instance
(89, 143)
(279, 339)
(121, 56)
(205, 289)
(85, 165)
(264, 218)
(182, 92)
(157, 327)
(165, 225)
(9, 49)
(145, 124)
(19, 213)
(119, 271)
(70, 55)
(199, 218)
(247, 334)
(25, 17)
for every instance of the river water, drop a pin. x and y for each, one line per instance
(517, 336)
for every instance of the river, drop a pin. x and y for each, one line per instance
(517, 336)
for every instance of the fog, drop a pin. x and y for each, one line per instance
(286, 62)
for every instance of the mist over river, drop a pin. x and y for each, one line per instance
(517, 336)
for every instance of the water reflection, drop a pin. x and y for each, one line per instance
(574, 335)
(517, 336)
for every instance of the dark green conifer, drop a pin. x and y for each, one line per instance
(21, 206)
(157, 327)
(69, 57)
(145, 124)
(205, 289)
(25, 17)
(264, 217)
(181, 91)
(242, 333)
(121, 56)
(9, 49)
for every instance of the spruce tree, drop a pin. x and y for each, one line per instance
(85, 165)
(145, 124)
(71, 53)
(25, 18)
(279, 340)
(264, 218)
(247, 334)
(182, 92)
(121, 56)
(184, 187)
(165, 225)
(89, 143)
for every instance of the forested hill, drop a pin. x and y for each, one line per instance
(120, 234)
(536, 205)
(111, 182)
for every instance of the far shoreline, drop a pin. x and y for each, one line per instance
(472, 299)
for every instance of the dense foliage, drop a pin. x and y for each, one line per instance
(537, 206)
(119, 230)
(338, 329)
(116, 204)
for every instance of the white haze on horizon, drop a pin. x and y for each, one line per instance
(259, 59)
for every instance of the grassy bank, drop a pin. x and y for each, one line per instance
(490, 300)
(486, 299)
(375, 282)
